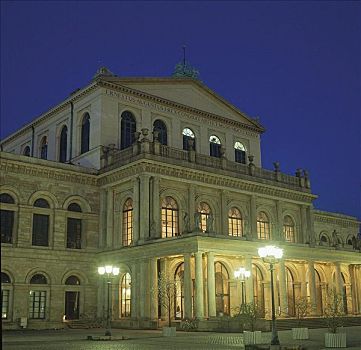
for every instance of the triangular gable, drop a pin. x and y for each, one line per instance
(187, 92)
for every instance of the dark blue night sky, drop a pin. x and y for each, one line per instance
(296, 65)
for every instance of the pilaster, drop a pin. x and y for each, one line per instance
(211, 286)
(187, 287)
(199, 285)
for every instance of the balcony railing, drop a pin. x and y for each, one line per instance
(113, 158)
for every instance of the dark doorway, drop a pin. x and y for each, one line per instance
(72, 305)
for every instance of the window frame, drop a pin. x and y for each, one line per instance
(12, 209)
(128, 126)
(42, 212)
(85, 133)
(127, 222)
(235, 223)
(126, 298)
(171, 213)
(263, 227)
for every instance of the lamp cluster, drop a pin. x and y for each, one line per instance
(242, 273)
(270, 252)
(109, 270)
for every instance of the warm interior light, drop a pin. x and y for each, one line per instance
(101, 270)
(108, 268)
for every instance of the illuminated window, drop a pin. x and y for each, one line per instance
(7, 214)
(125, 295)
(40, 235)
(222, 289)
(170, 212)
(44, 148)
(235, 224)
(128, 128)
(263, 226)
(127, 233)
(214, 146)
(188, 137)
(37, 298)
(204, 211)
(239, 153)
(159, 126)
(179, 295)
(289, 229)
(74, 224)
(63, 144)
(5, 296)
(85, 134)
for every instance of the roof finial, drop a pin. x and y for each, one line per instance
(184, 69)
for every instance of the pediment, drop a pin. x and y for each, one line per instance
(189, 93)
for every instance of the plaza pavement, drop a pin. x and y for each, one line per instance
(75, 339)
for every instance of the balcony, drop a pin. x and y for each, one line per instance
(114, 158)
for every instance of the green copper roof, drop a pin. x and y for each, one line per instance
(184, 69)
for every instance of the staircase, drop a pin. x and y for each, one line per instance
(284, 324)
(82, 324)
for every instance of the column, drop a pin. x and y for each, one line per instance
(267, 298)
(249, 281)
(142, 289)
(211, 285)
(187, 287)
(312, 286)
(283, 288)
(155, 208)
(100, 298)
(303, 280)
(110, 217)
(154, 288)
(279, 231)
(339, 282)
(133, 291)
(102, 219)
(224, 213)
(199, 285)
(354, 297)
(253, 218)
(115, 298)
(135, 210)
(144, 207)
(304, 237)
(310, 224)
(191, 206)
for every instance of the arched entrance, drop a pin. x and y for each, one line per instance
(258, 287)
(222, 289)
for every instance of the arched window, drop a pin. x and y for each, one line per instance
(222, 289)
(290, 293)
(263, 226)
(128, 128)
(125, 296)
(85, 134)
(188, 139)
(5, 295)
(26, 151)
(159, 126)
(7, 213)
(74, 227)
(235, 224)
(179, 295)
(239, 153)
(127, 233)
(204, 212)
(170, 218)
(63, 144)
(324, 240)
(72, 281)
(37, 298)
(319, 296)
(289, 229)
(214, 146)
(41, 217)
(44, 148)
(258, 287)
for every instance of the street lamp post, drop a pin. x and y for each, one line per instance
(109, 272)
(242, 274)
(271, 255)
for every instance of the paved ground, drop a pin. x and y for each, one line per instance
(72, 339)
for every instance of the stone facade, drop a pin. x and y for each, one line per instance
(195, 216)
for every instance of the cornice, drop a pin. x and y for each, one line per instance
(165, 105)
(20, 167)
(202, 177)
(347, 221)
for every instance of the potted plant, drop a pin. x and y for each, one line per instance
(333, 316)
(166, 289)
(250, 314)
(302, 308)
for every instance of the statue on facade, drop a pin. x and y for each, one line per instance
(197, 221)
(209, 223)
(186, 223)
(335, 241)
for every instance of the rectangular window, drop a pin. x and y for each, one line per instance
(263, 230)
(37, 304)
(5, 294)
(40, 230)
(74, 234)
(6, 225)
